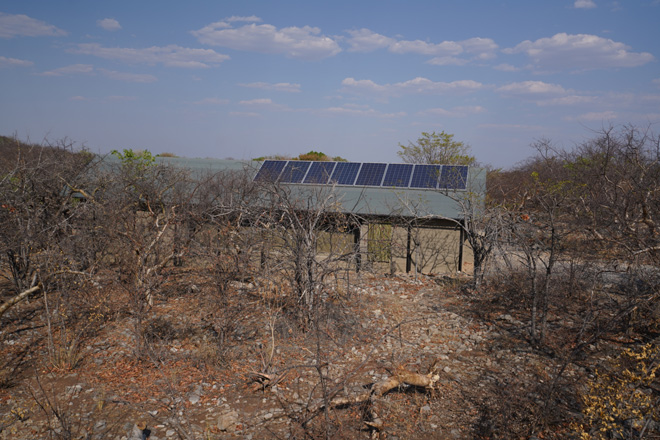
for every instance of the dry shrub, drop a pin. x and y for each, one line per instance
(621, 400)
(67, 416)
(507, 411)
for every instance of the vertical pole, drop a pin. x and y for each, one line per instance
(461, 240)
(356, 247)
(408, 254)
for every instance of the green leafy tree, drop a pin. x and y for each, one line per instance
(314, 155)
(137, 160)
(319, 156)
(436, 148)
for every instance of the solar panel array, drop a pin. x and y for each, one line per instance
(451, 177)
(345, 173)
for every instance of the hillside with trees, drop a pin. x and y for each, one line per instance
(138, 300)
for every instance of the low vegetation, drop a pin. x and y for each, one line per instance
(138, 301)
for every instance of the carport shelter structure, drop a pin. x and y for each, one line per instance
(404, 216)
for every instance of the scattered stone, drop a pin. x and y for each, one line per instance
(228, 421)
(73, 390)
(139, 431)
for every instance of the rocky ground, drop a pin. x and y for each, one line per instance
(256, 375)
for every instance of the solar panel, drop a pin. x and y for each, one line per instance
(425, 176)
(270, 170)
(421, 176)
(294, 171)
(398, 174)
(345, 172)
(453, 177)
(319, 172)
(371, 174)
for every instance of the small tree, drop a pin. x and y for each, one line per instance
(143, 202)
(48, 241)
(296, 220)
(38, 215)
(436, 148)
(314, 155)
(482, 227)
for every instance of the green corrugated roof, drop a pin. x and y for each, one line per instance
(198, 166)
(377, 201)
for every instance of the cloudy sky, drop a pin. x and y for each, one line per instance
(244, 79)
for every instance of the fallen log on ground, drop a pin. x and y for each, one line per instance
(399, 378)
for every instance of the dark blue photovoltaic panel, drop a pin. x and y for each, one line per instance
(320, 172)
(398, 174)
(453, 177)
(270, 171)
(345, 173)
(371, 174)
(422, 176)
(294, 171)
(425, 176)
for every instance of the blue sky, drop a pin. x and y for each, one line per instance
(244, 79)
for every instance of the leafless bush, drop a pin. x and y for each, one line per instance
(68, 417)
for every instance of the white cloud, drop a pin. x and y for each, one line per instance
(22, 25)
(364, 40)
(14, 62)
(264, 104)
(484, 47)
(546, 95)
(171, 55)
(109, 24)
(88, 69)
(581, 51)
(279, 87)
(447, 61)
(361, 110)
(436, 112)
(261, 101)
(506, 68)
(423, 48)
(74, 69)
(128, 77)
(77, 98)
(595, 116)
(512, 127)
(363, 85)
(455, 112)
(293, 42)
(531, 88)
(212, 101)
(444, 53)
(570, 100)
(414, 86)
(250, 19)
(584, 4)
(650, 98)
